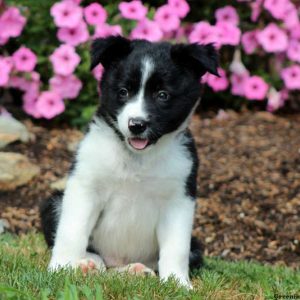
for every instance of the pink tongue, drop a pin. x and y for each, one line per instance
(138, 144)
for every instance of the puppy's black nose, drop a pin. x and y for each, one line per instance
(137, 125)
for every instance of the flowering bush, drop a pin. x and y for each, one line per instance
(45, 45)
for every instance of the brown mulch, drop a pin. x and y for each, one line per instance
(249, 184)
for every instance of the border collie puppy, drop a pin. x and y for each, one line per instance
(130, 197)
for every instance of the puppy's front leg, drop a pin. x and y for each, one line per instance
(80, 210)
(174, 237)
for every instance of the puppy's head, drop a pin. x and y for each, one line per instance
(150, 89)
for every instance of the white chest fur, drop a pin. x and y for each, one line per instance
(134, 190)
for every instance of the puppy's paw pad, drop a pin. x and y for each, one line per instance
(89, 265)
(140, 269)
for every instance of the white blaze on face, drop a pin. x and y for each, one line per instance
(135, 107)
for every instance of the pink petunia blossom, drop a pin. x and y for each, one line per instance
(275, 100)
(64, 60)
(293, 51)
(238, 83)
(181, 7)
(74, 1)
(32, 92)
(66, 14)
(11, 23)
(291, 77)
(50, 104)
(95, 14)
(275, 7)
(29, 83)
(133, 10)
(203, 33)
(166, 18)
(272, 38)
(105, 30)
(29, 106)
(218, 83)
(5, 67)
(249, 41)
(98, 72)
(3, 40)
(74, 36)
(255, 88)
(148, 30)
(183, 32)
(228, 34)
(24, 60)
(227, 14)
(291, 16)
(68, 87)
(256, 8)
(295, 32)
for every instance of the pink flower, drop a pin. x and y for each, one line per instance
(295, 32)
(249, 41)
(64, 60)
(166, 18)
(18, 82)
(11, 23)
(227, 14)
(68, 87)
(133, 10)
(98, 72)
(273, 39)
(66, 14)
(50, 104)
(105, 30)
(218, 83)
(256, 9)
(95, 14)
(24, 60)
(29, 106)
(3, 40)
(74, 36)
(238, 83)
(183, 32)
(5, 67)
(275, 101)
(293, 51)
(147, 30)
(290, 16)
(291, 77)
(181, 7)
(275, 7)
(228, 34)
(31, 82)
(74, 1)
(255, 88)
(203, 33)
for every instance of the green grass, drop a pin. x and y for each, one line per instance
(23, 275)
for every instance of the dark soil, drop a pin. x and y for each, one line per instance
(249, 184)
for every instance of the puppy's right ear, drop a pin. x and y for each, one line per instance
(109, 50)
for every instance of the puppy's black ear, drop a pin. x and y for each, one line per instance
(197, 58)
(109, 50)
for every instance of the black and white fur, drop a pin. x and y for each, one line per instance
(131, 194)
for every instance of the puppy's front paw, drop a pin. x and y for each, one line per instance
(136, 269)
(182, 281)
(92, 262)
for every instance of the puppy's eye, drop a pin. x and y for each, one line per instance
(123, 93)
(163, 96)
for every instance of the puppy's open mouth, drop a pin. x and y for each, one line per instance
(138, 144)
